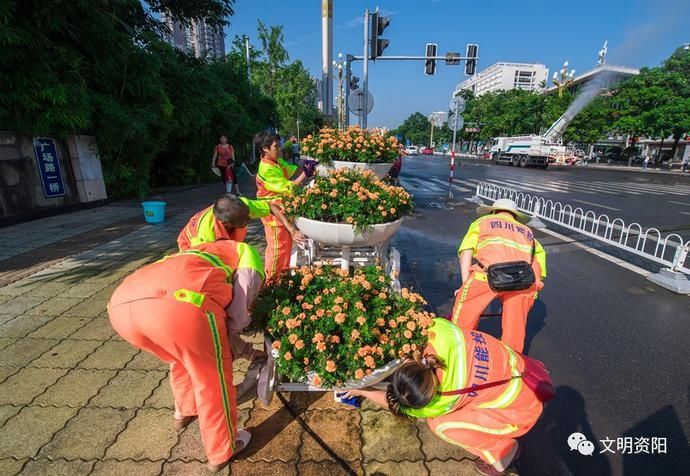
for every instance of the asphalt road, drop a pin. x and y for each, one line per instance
(616, 345)
(652, 200)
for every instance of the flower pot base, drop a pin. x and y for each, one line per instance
(342, 234)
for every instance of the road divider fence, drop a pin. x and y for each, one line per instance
(668, 250)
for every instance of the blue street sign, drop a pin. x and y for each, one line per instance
(49, 167)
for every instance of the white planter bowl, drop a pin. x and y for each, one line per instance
(343, 234)
(381, 169)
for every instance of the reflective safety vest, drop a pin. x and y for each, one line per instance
(273, 182)
(470, 358)
(204, 227)
(201, 276)
(501, 238)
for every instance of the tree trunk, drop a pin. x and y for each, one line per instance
(658, 154)
(676, 139)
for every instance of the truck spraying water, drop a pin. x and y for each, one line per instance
(537, 150)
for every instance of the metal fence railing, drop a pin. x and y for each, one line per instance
(669, 250)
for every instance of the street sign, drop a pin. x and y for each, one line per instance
(452, 59)
(457, 104)
(355, 101)
(49, 167)
(452, 122)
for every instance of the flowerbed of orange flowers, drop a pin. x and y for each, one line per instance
(330, 327)
(351, 145)
(349, 196)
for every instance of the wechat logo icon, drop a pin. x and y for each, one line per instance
(579, 442)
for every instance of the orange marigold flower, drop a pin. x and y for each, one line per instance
(349, 219)
(293, 338)
(286, 311)
(330, 366)
(407, 334)
(318, 337)
(392, 324)
(380, 322)
(299, 344)
(354, 334)
(323, 206)
(287, 356)
(369, 362)
(320, 312)
(317, 381)
(340, 318)
(276, 344)
(306, 361)
(320, 346)
(335, 339)
(359, 374)
(406, 348)
(361, 320)
(411, 325)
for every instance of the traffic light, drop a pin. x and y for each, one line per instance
(354, 83)
(377, 45)
(471, 62)
(430, 64)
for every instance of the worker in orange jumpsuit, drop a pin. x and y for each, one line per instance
(181, 309)
(498, 236)
(485, 422)
(227, 219)
(273, 183)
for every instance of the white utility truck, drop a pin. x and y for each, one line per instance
(532, 150)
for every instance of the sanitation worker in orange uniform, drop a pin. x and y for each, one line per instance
(181, 309)
(272, 183)
(486, 421)
(227, 219)
(499, 236)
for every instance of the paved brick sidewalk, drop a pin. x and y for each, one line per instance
(75, 399)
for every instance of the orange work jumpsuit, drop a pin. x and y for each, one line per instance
(175, 309)
(485, 422)
(499, 239)
(203, 227)
(272, 183)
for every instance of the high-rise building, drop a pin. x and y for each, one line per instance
(198, 39)
(504, 76)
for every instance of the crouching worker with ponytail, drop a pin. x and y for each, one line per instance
(448, 385)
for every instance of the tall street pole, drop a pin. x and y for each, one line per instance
(452, 157)
(365, 71)
(249, 81)
(327, 57)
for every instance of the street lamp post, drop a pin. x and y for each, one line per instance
(339, 66)
(563, 78)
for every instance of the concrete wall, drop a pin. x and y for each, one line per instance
(21, 191)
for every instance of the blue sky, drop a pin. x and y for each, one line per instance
(640, 33)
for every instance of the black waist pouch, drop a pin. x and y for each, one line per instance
(510, 276)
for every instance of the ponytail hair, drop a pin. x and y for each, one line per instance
(414, 383)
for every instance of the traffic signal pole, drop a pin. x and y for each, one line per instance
(365, 70)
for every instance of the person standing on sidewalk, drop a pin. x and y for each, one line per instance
(645, 162)
(182, 309)
(441, 385)
(224, 159)
(273, 182)
(227, 219)
(686, 161)
(500, 236)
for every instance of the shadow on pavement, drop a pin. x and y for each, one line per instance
(545, 447)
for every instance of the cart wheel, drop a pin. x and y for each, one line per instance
(267, 377)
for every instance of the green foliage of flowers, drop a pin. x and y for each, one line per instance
(349, 196)
(351, 145)
(329, 327)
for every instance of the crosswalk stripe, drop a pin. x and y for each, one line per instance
(548, 186)
(653, 188)
(634, 189)
(602, 188)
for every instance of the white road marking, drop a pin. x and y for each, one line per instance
(680, 203)
(596, 205)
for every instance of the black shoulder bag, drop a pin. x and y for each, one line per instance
(511, 275)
